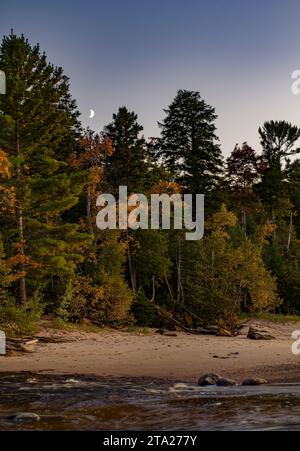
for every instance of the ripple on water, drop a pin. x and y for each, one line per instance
(66, 403)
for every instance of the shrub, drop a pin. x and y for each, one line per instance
(144, 311)
(17, 320)
(107, 302)
(80, 300)
(117, 299)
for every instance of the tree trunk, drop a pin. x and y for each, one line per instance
(244, 222)
(290, 233)
(274, 222)
(170, 290)
(89, 210)
(179, 281)
(153, 289)
(132, 276)
(19, 217)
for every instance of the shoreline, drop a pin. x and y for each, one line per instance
(182, 358)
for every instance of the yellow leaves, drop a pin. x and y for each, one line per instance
(235, 269)
(7, 193)
(5, 166)
(264, 232)
(255, 277)
(221, 220)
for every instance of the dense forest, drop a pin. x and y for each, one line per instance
(55, 261)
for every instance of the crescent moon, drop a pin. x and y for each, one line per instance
(92, 114)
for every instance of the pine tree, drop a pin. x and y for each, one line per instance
(188, 144)
(243, 170)
(278, 139)
(127, 165)
(293, 190)
(38, 123)
(243, 167)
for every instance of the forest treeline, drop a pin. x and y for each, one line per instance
(54, 260)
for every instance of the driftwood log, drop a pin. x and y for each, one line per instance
(198, 331)
(28, 344)
(20, 345)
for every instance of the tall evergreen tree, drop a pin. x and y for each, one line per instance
(242, 171)
(38, 124)
(188, 144)
(127, 165)
(278, 140)
(243, 167)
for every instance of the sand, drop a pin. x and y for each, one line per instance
(183, 357)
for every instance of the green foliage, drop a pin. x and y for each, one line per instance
(188, 143)
(17, 320)
(117, 300)
(151, 257)
(37, 120)
(108, 302)
(144, 311)
(52, 257)
(126, 166)
(5, 276)
(286, 268)
(278, 140)
(82, 300)
(220, 276)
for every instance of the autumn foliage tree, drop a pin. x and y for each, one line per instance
(221, 274)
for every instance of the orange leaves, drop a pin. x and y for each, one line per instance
(7, 193)
(20, 263)
(95, 175)
(94, 152)
(165, 187)
(5, 166)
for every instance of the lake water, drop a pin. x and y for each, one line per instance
(82, 403)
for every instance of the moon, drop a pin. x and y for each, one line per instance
(92, 114)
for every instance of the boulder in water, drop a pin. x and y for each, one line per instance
(23, 417)
(254, 381)
(224, 382)
(209, 379)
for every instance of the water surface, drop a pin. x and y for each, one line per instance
(83, 403)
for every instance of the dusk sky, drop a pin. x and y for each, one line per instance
(239, 54)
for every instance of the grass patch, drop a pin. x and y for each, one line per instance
(60, 324)
(138, 330)
(279, 319)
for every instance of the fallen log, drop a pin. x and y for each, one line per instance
(199, 331)
(259, 334)
(18, 345)
(54, 339)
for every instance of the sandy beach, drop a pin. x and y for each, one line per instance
(182, 357)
